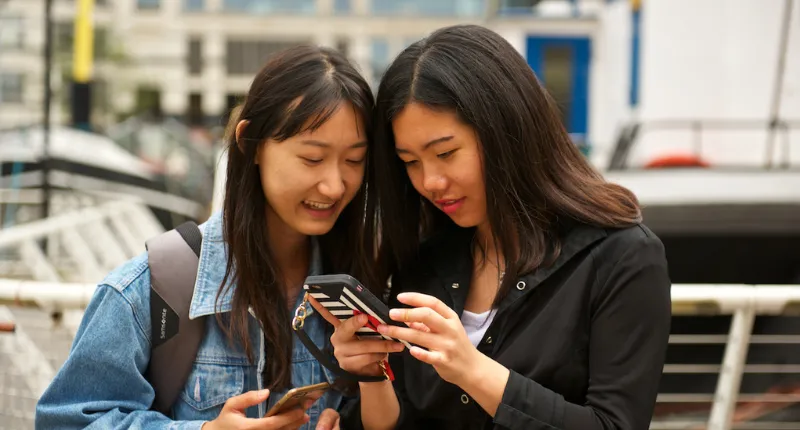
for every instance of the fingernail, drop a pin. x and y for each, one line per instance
(264, 392)
(382, 328)
(362, 319)
(306, 418)
(398, 347)
(395, 314)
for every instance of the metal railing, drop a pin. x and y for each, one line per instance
(743, 302)
(631, 135)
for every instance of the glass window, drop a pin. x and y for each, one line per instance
(270, 6)
(379, 58)
(428, 7)
(247, 57)
(341, 6)
(557, 75)
(195, 57)
(11, 87)
(12, 32)
(148, 4)
(194, 5)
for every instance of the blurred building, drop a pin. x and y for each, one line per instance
(194, 59)
(607, 62)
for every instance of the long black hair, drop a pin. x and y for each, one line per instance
(535, 177)
(321, 79)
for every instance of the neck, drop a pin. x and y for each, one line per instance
(290, 249)
(487, 248)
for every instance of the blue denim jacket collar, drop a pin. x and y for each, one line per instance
(211, 270)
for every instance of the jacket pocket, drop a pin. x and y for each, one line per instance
(210, 385)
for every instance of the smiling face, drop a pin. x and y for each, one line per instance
(309, 178)
(443, 160)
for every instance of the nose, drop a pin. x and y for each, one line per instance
(433, 181)
(332, 185)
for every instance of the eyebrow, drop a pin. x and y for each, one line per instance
(429, 144)
(321, 144)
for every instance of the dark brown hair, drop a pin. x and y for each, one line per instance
(536, 179)
(320, 79)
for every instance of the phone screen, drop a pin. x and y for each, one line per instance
(296, 396)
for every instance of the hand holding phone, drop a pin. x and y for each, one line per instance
(355, 355)
(233, 415)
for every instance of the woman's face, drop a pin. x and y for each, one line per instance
(309, 178)
(443, 160)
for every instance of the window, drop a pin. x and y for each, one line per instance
(341, 7)
(270, 6)
(64, 39)
(245, 57)
(148, 102)
(12, 32)
(194, 5)
(379, 58)
(194, 116)
(195, 57)
(148, 4)
(428, 7)
(11, 87)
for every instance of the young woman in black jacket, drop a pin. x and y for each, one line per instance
(534, 296)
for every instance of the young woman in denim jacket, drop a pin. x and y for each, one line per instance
(294, 205)
(534, 296)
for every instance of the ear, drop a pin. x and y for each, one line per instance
(239, 130)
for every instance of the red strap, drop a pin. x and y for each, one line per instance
(373, 323)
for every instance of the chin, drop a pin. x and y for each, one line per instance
(465, 222)
(314, 228)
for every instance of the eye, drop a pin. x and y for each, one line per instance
(311, 161)
(357, 162)
(409, 163)
(444, 155)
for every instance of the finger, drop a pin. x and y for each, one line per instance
(297, 423)
(418, 300)
(244, 401)
(431, 357)
(336, 426)
(369, 346)
(281, 420)
(362, 361)
(410, 335)
(350, 326)
(419, 326)
(324, 312)
(427, 316)
(328, 420)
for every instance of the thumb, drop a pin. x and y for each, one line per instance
(244, 401)
(327, 420)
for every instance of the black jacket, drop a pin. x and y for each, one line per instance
(585, 338)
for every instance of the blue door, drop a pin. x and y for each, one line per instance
(562, 65)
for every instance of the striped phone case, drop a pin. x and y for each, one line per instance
(343, 296)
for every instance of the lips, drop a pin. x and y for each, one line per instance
(320, 210)
(450, 206)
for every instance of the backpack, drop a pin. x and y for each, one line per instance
(173, 258)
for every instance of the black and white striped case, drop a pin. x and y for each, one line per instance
(342, 294)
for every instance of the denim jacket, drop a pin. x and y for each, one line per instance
(101, 384)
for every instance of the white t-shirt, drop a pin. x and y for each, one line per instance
(476, 324)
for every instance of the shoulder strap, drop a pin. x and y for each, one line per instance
(173, 258)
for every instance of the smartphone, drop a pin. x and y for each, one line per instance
(344, 296)
(296, 396)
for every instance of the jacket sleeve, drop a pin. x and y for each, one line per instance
(101, 384)
(629, 334)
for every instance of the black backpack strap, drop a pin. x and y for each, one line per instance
(173, 258)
